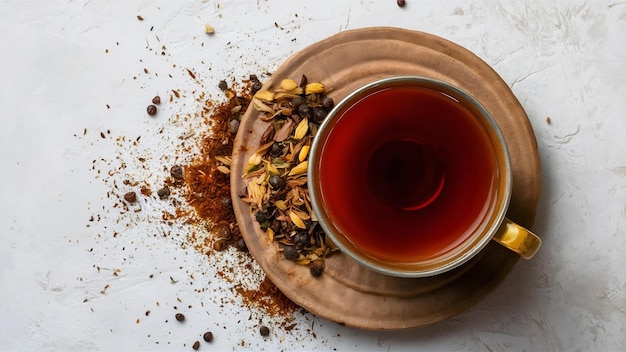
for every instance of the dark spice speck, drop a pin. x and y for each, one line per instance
(130, 197)
(177, 172)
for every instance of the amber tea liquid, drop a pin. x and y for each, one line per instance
(407, 174)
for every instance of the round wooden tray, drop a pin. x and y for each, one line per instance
(347, 292)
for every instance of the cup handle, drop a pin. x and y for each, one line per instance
(518, 239)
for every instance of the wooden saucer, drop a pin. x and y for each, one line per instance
(348, 293)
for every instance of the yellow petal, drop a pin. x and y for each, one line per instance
(300, 168)
(271, 168)
(255, 159)
(280, 204)
(226, 160)
(223, 169)
(264, 95)
(302, 129)
(296, 220)
(304, 152)
(260, 106)
(288, 84)
(270, 234)
(313, 88)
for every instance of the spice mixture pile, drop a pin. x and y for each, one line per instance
(276, 173)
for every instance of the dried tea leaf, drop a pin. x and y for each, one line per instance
(280, 204)
(270, 234)
(284, 132)
(268, 135)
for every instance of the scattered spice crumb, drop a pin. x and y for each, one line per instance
(130, 197)
(196, 345)
(164, 193)
(156, 100)
(208, 29)
(140, 18)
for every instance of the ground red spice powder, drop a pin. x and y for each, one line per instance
(269, 298)
(207, 190)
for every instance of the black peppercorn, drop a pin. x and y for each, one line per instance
(208, 336)
(264, 330)
(180, 317)
(152, 110)
(291, 253)
(260, 216)
(328, 103)
(177, 172)
(241, 245)
(276, 182)
(316, 269)
(304, 111)
(319, 114)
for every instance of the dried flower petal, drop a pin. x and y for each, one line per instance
(296, 220)
(260, 106)
(265, 95)
(223, 169)
(300, 168)
(288, 84)
(314, 88)
(302, 129)
(280, 204)
(226, 160)
(255, 159)
(304, 152)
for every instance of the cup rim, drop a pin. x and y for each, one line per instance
(396, 81)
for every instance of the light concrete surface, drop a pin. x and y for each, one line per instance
(71, 70)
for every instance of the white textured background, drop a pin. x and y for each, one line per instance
(563, 59)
